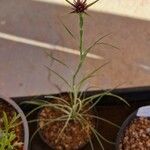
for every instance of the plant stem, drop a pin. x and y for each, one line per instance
(81, 34)
(81, 23)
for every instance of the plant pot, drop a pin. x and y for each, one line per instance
(12, 105)
(135, 131)
(108, 108)
(74, 136)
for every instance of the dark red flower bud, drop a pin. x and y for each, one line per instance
(79, 6)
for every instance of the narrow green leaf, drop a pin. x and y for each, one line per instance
(57, 98)
(89, 5)
(35, 102)
(5, 121)
(61, 77)
(14, 122)
(91, 144)
(102, 137)
(69, 31)
(66, 124)
(46, 120)
(35, 109)
(95, 43)
(118, 97)
(91, 74)
(57, 60)
(110, 45)
(94, 104)
(53, 120)
(95, 134)
(91, 98)
(63, 108)
(98, 139)
(102, 119)
(69, 2)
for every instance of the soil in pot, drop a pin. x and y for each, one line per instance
(10, 111)
(74, 137)
(136, 135)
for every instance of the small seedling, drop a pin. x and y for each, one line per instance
(7, 133)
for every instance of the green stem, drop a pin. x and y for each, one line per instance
(81, 23)
(80, 47)
(81, 34)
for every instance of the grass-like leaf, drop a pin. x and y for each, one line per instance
(95, 43)
(63, 108)
(91, 143)
(119, 98)
(7, 133)
(98, 139)
(94, 103)
(62, 118)
(110, 45)
(35, 102)
(102, 119)
(56, 59)
(89, 75)
(66, 124)
(95, 134)
(68, 30)
(103, 138)
(57, 98)
(89, 5)
(69, 2)
(61, 77)
(5, 121)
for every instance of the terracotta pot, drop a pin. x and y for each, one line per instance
(20, 112)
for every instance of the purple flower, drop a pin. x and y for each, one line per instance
(80, 6)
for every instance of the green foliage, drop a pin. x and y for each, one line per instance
(76, 108)
(7, 134)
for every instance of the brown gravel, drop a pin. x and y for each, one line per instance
(137, 135)
(9, 110)
(73, 137)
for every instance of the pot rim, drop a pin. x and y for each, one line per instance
(124, 126)
(25, 123)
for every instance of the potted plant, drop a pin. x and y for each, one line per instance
(135, 132)
(69, 121)
(14, 134)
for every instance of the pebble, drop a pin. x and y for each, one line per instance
(137, 135)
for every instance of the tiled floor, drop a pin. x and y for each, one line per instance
(29, 27)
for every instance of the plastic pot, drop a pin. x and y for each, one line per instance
(140, 112)
(94, 111)
(53, 146)
(20, 112)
